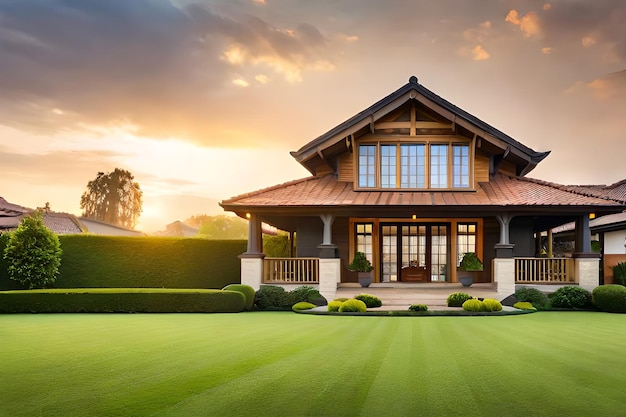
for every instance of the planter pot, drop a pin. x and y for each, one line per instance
(365, 278)
(466, 278)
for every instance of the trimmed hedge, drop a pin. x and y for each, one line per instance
(474, 304)
(418, 307)
(353, 306)
(302, 305)
(610, 298)
(121, 300)
(537, 298)
(91, 261)
(491, 304)
(571, 297)
(336, 304)
(457, 299)
(246, 290)
(371, 301)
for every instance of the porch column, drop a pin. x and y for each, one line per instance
(327, 248)
(504, 249)
(329, 276)
(504, 276)
(252, 259)
(586, 263)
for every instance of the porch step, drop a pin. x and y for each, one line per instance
(407, 294)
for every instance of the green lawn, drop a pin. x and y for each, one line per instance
(286, 364)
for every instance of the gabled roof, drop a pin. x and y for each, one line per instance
(615, 191)
(502, 191)
(311, 153)
(11, 210)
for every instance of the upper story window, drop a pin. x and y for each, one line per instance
(414, 165)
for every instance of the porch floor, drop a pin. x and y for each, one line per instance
(402, 295)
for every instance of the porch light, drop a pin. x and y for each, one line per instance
(247, 215)
(592, 216)
(414, 216)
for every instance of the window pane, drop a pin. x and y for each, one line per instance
(364, 239)
(367, 160)
(388, 166)
(412, 166)
(438, 166)
(460, 166)
(465, 240)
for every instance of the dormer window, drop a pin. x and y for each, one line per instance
(414, 165)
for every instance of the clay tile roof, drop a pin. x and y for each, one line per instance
(502, 190)
(62, 223)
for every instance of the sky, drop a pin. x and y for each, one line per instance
(203, 100)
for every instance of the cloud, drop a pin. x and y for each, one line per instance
(609, 89)
(166, 68)
(479, 53)
(529, 23)
(240, 82)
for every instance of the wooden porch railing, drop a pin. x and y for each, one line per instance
(291, 270)
(544, 270)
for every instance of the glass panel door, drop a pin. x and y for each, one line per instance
(389, 253)
(439, 253)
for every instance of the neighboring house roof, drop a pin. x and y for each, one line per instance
(62, 223)
(615, 191)
(11, 210)
(98, 227)
(313, 152)
(501, 191)
(178, 228)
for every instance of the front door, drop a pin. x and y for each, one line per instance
(414, 252)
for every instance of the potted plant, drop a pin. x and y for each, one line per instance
(470, 265)
(364, 268)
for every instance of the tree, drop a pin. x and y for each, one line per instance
(33, 253)
(113, 198)
(221, 227)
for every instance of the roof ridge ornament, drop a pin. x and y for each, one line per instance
(413, 79)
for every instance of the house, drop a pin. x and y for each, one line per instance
(414, 182)
(98, 227)
(178, 229)
(60, 223)
(609, 230)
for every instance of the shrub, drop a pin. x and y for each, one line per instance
(342, 299)
(121, 300)
(571, 297)
(491, 304)
(473, 304)
(610, 298)
(270, 297)
(524, 305)
(33, 253)
(353, 306)
(303, 305)
(457, 299)
(334, 305)
(538, 299)
(418, 307)
(246, 290)
(619, 273)
(371, 301)
(307, 293)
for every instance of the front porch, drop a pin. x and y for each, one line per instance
(546, 274)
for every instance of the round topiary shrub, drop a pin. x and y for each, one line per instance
(371, 301)
(538, 299)
(571, 297)
(303, 305)
(334, 305)
(473, 304)
(491, 304)
(524, 305)
(353, 306)
(610, 298)
(418, 307)
(457, 299)
(246, 290)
